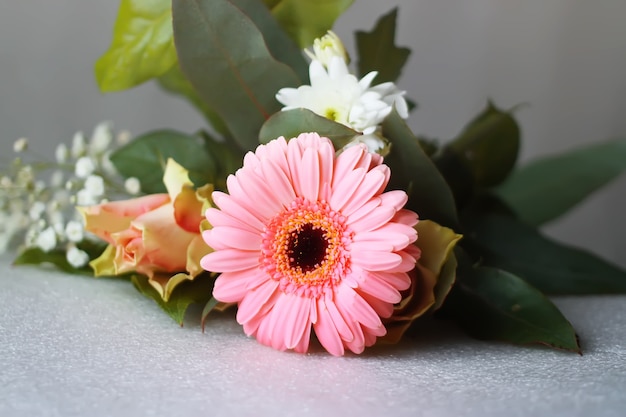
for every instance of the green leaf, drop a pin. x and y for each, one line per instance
(508, 243)
(489, 146)
(175, 82)
(208, 308)
(57, 257)
(378, 52)
(305, 20)
(492, 304)
(280, 45)
(145, 158)
(412, 171)
(198, 291)
(291, 123)
(548, 187)
(225, 160)
(142, 47)
(226, 59)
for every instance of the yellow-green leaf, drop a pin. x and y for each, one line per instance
(142, 47)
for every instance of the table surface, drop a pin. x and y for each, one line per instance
(80, 346)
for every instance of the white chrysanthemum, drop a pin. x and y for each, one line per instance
(85, 166)
(46, 240)
(76, 257)
(338, 95)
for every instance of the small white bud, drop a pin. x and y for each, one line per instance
(84, 167)
(94, 184)
(76, 257)
(85, 198)
(132, 186)
(327, 47)
(107, 165)
(123, 137)
(46, 240)
(5, 182)
(56, 179)
(100, 139)
(20, 145)
(61, 153)
(74, 231)
(36, 210)
(79, 146)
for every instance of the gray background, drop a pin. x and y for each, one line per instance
(566, 58)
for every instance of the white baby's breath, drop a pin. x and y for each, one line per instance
(74, 231)
(79, 146)
(84, 167)
(94, 184)
(132, 185)
(46, 240)
(76, 257)
(20, 145)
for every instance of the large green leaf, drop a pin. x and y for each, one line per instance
(378, 52)
(489, 303)
(175, 82)
(306, 20)
(225, 159)
(142, 47)
(198, 291)
(226, 59)
(548, 187)
(508, 243)
(412, 171)
(291, 123)
(145, 158)
(489, 145)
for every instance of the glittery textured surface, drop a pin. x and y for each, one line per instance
(77, 346)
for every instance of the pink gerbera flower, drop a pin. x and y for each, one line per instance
(309, 239)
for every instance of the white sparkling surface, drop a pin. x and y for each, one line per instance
(77, 346)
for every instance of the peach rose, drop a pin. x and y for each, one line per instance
(431, 280)
(155, 235)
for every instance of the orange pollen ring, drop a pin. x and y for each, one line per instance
(305, 246)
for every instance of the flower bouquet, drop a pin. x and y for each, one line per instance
(307, 203)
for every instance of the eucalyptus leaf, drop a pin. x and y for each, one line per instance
(305, 20)
(489, 146)
(175, 82)
(548, 187)
(198, 291)
(225, 57)
(378, 51)
(554, 268)
(142, 47)
(145, 157)
(291, 123)
(413, 171)
(493, 304)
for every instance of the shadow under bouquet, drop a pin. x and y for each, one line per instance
(308, 204)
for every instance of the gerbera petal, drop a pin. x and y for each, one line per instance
(297, 321)
(230, 287)
(394, 198)
(232, 237)
(373, 260)
(358, 308)
(309, 175)
(281, 187)
(374, 220)
(407, 263)
(228, 205)
(345, 189)
(399, 280)
(381, 289)
(255, 300)
(370, 186)
(384, 309)
(229, 260)
(326, 331)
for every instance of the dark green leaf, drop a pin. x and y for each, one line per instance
(378, 52)
(208, 307)
(142, 46)
(489, 145)
(291, 123)
(145, 158)
(489, 303)
(198, 291)
(412, 171)
(306, 20)
(225, 159)
(175, 82)
(548, 187)
(226, 59)
(280, 45)
(554, 268)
